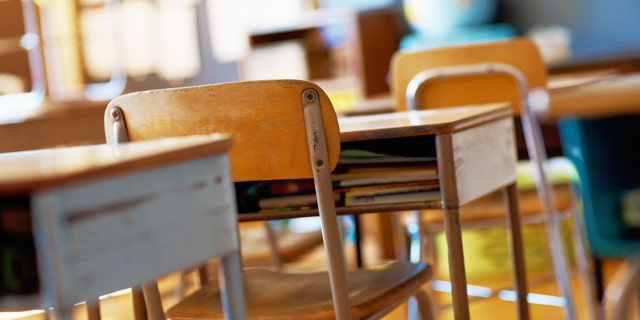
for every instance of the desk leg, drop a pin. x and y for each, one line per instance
(457, 272)
(62, 313)
(510, 195)
(93, 309)
(453, 232)
(232, 287)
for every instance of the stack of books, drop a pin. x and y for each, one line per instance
(361, 178)
(364, 177)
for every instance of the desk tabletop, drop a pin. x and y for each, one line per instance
(585, 94)
(607, 96)
(419, 122)
(27, 171)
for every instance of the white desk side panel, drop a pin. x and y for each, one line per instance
(484, 159)
(100, 237)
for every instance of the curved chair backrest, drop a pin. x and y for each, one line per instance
(265, 119)
(480, 71)
(281, 129)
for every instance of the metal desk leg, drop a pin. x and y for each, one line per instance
(510, 194)
(453, 232)
(457, 272)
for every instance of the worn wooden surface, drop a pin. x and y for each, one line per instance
(272, 295)
(419, 122)
(26, 171)
(273, 118)
(103, 216)
(483, 164)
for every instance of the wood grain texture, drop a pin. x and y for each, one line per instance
(258, 114)
(612, 96)
(273, 295)
(105, 235)
(474, 150)
(419, 122)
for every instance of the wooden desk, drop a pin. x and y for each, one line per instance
(607, 96)
(476, 154)
(96, 210)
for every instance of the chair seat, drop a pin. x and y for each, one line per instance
(291, 244)
(275, 295)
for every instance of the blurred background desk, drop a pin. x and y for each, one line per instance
(594, 95)
(599, 125)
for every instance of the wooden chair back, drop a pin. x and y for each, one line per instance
(282, 129)
(265, 118)
(471, 73)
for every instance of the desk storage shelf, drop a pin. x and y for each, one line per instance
(421, 159)
(19, 283)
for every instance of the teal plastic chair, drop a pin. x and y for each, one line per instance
(607, 157)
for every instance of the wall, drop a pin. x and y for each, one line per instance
(598, 27)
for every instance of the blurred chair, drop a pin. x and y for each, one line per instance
(604, 150)
(22, 78)
(282, 129)
(500, 71)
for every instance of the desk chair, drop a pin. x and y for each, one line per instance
(282, 129)
(512, 71)
(604, 150)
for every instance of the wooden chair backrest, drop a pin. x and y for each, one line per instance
(277, 128)
(265, 119)
(490, 87)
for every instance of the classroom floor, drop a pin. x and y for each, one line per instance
(495, 307)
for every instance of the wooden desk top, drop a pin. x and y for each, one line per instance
(608, 96)
(26, 171)
(420, 122)
(586, 94)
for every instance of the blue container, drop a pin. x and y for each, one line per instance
(606, 152)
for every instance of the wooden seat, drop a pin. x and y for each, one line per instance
(282, 129)
(500, 71)
(289, 246)
(277, 295)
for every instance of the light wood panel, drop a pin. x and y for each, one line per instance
(191, 110)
